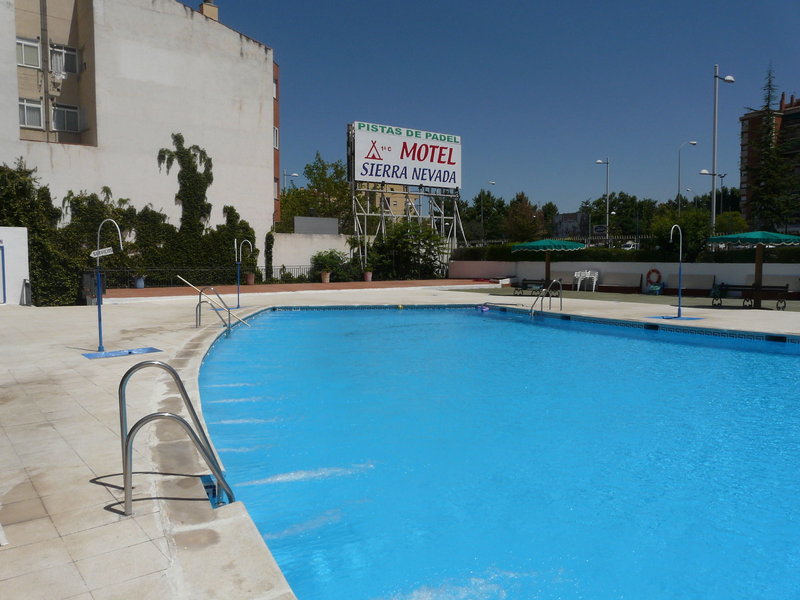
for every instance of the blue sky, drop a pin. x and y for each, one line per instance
(537, 90)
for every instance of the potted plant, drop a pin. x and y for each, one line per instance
(327, 262)
(368, 270)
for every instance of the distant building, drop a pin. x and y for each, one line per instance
(102, 84)
(571, 224)
(787, 132)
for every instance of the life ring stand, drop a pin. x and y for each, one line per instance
(653, 277)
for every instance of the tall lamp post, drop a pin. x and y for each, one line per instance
(483, 229)
(678, 197)
(607, 163)
(726, 79)
(713, 194)
(289, 175)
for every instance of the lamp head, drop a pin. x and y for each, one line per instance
(693, 143)
(704, 172)
(729, 79)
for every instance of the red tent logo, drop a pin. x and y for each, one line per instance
(373, 153)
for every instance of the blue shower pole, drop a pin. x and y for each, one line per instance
(99, 307)
(680, 265)
(98, 277)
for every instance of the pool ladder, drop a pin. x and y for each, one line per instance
(546, 293)
(197, 435)
(200, 302)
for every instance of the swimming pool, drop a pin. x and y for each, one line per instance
(426, 454)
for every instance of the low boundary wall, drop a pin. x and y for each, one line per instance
(732, 273)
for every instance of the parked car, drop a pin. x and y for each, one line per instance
(629, 245)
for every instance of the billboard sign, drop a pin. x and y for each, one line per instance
(386, 154)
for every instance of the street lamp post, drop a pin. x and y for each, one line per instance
(483, 229)
(289, 175)
(726, 79)
(678, 197)
(607, 163)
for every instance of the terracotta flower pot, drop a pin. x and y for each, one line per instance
(367, 275)
(325, 276)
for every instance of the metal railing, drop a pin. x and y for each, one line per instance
(200, 302)
(197, 435)
(546, 293)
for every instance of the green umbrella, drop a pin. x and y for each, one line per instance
(758, 239)
(548, 246)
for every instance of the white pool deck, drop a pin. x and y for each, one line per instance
(60, 465)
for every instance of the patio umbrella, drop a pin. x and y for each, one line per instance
(548, 246)
(758, 239)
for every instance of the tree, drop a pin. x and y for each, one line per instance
(695, 226)
(408, 250)
(327, 195)
(485, 219)
(773, 191)
(192, 184)
(523, 222)
(549, 212)
(54, 275)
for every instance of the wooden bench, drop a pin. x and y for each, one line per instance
(691, 284)
(624, 283)
(749, 294)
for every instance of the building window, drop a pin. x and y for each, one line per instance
(276, 138)
(66, 118)
(30, 113)
(63, 59)
(275, 89)
(28, 53)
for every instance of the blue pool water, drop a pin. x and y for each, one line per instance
(432, 454)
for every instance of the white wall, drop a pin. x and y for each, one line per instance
(296, 249)
(14, 241)
(161, 68)
(732, 273)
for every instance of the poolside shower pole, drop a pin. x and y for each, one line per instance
(237, 249)
(96, 255)
(99, 297)
(680, 266)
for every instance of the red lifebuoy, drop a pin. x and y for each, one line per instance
(653, 277)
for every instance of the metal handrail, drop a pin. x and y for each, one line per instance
(200, 301)
(547, 293)
(123, 409)
(127, 456)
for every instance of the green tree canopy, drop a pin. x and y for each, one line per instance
(23, 203)
(326, 195)
(408, 250)
(523, 221)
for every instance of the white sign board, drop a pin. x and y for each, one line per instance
(386, 154)
(101, 252)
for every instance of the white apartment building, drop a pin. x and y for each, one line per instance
(100, 86)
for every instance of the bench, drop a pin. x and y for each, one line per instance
(691, 284)
(624, 283)
(778, 280)
(536, 287)
(748, 294)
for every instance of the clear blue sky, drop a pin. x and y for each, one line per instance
(537, 90)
